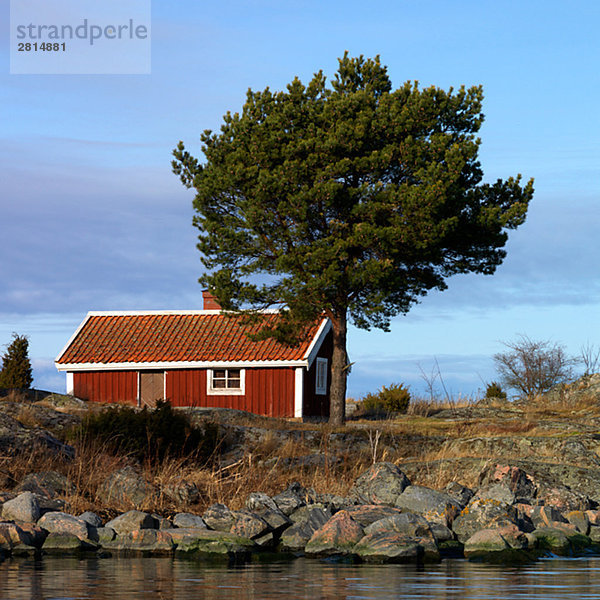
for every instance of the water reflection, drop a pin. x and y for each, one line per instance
(164, 578)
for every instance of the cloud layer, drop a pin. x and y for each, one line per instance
(92, 217)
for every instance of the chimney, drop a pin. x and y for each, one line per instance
(209, 301)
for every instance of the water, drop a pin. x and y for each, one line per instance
(164, 578)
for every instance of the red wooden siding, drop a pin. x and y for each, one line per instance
(269, 392)
(317, 405)
(106, 386)
(186, 387)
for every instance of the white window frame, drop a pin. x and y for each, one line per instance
(321, 369)
(211, 391)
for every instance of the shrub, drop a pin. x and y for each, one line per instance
(149, 434)
(394, 398)
(494, 390)
(370, 406)
(590, 357)
(534, 367)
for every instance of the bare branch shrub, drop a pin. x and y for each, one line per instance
(590, 357)
(533, 367)
(429, 380)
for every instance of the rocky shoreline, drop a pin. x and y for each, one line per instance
(511, 517)
(492, 481)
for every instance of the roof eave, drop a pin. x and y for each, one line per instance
(221, 364)
(72, 338)
(315, 345)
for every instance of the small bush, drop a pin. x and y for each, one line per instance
(494, 390)
(371, 406)
(149, 434)
(394, 398)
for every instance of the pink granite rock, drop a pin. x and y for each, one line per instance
(338, 536)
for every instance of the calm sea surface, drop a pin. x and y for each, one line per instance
(163, 578)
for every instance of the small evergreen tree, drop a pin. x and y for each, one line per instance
(494, 390)
(16, 366)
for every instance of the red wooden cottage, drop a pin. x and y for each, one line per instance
(197, 358)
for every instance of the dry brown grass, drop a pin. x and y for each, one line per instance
(417, 425)
(232, 485)
(438, 474)
(563, 407)
(89, 468)
(425, 408)
(92, 464)
(27, 416)
(414, 436)
(511, 427)
(14, 468)
(229, 485)
(15, 396)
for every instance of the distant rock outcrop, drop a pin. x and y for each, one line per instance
(15, 437)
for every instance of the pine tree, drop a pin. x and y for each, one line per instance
(352, 199)
(16, 366)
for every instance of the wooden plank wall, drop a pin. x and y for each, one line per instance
(317, 405)
(152, 387)
(269, 392)
(106, 386)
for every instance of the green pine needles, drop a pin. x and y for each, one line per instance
(494, 390)
(389, 400)
(16, 367)
(348, 198)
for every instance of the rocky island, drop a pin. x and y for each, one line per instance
(493, 480)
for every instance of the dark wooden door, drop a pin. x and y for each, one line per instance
(152, 387)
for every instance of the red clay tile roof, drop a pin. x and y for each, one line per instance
(175, 337)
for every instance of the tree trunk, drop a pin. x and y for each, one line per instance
(339, 372)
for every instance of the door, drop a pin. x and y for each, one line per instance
(152, 387)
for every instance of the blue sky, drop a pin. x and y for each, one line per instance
(93, 219)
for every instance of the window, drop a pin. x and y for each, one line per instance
(321, 377)
(225, 381)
